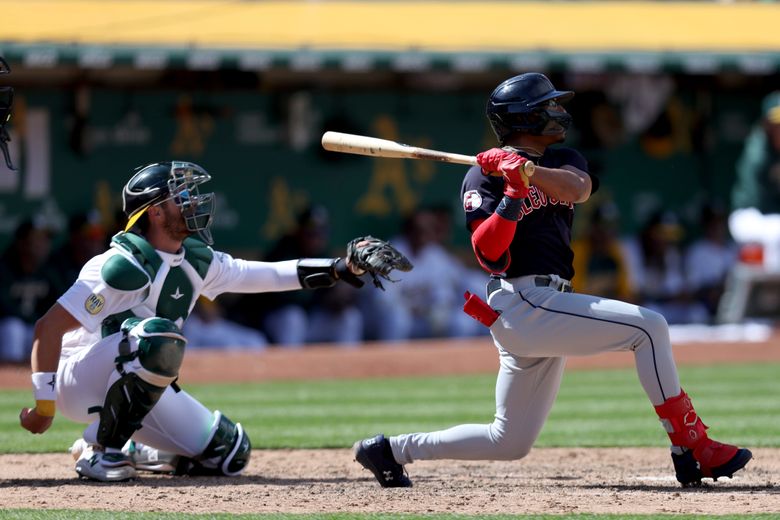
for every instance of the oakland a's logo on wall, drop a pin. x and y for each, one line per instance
(94, 303)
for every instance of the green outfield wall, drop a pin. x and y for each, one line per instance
(76, 143)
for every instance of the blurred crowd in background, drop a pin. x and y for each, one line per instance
(676, 267)
(674, 264)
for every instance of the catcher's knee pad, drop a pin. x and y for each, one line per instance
(153, 348)
(227, 452)
(150, 355)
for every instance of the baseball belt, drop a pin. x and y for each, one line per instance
(554, 281)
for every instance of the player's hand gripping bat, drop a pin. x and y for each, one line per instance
(375, 147)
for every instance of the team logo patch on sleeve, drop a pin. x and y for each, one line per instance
(472, 200)
(94, 303)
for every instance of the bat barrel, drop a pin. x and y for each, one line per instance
(376, 147)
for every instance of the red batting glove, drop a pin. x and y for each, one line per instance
(490, 160)
(515, 181)
(511, 166)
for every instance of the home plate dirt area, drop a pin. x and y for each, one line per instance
(549, 480)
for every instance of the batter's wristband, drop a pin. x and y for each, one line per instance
(44, 386)
(510, 208)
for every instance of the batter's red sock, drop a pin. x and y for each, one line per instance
(686, 429)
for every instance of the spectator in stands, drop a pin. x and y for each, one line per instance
(709, 259)
(86, 238)
(657, 271)
(755, 198)
(28, 288)
(600, 263)
(428, 301)
(207, 327)
(294, 318)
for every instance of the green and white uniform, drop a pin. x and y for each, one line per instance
(134, 279)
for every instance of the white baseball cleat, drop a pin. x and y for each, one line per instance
(144, 458)
(151, 459)
(94, 463)
(78, 446)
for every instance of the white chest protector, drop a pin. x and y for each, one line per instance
(134, 279)
(171, 282)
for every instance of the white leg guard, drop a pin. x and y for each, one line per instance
(227, 453)
(178, 424)
(209, 443)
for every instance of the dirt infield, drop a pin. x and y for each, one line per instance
(551, 480)
(317, 481)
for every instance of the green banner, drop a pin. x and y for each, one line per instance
(76, 148)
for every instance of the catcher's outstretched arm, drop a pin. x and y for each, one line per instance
(364, 255)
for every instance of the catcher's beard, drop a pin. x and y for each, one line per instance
(173, 224)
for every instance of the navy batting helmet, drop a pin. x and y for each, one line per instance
(176, 180)
(520, 104)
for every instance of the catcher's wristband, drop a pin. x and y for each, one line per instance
(344, 273)
(44, 385)
(45, 408)
(321, 273)
(45, 393)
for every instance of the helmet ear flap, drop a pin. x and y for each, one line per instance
(500, 128)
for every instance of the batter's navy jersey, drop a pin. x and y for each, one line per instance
(541, 244)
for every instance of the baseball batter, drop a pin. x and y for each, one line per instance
(521, 231)
(108, 352)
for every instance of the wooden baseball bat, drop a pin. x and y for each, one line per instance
(375, 147)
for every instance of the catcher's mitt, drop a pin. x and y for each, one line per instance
(376, 257)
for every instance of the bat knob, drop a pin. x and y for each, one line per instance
(529, 168)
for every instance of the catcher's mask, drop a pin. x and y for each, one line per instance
(522, 104)
(6, 101)
(178, 181)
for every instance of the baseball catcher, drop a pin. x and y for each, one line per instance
(521, 232)
(108, 353)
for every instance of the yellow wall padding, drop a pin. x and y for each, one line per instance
(388, 25)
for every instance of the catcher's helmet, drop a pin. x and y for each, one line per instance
(519, 104)
(157, 182)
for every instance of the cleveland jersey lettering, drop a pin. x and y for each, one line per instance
(545, 223)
